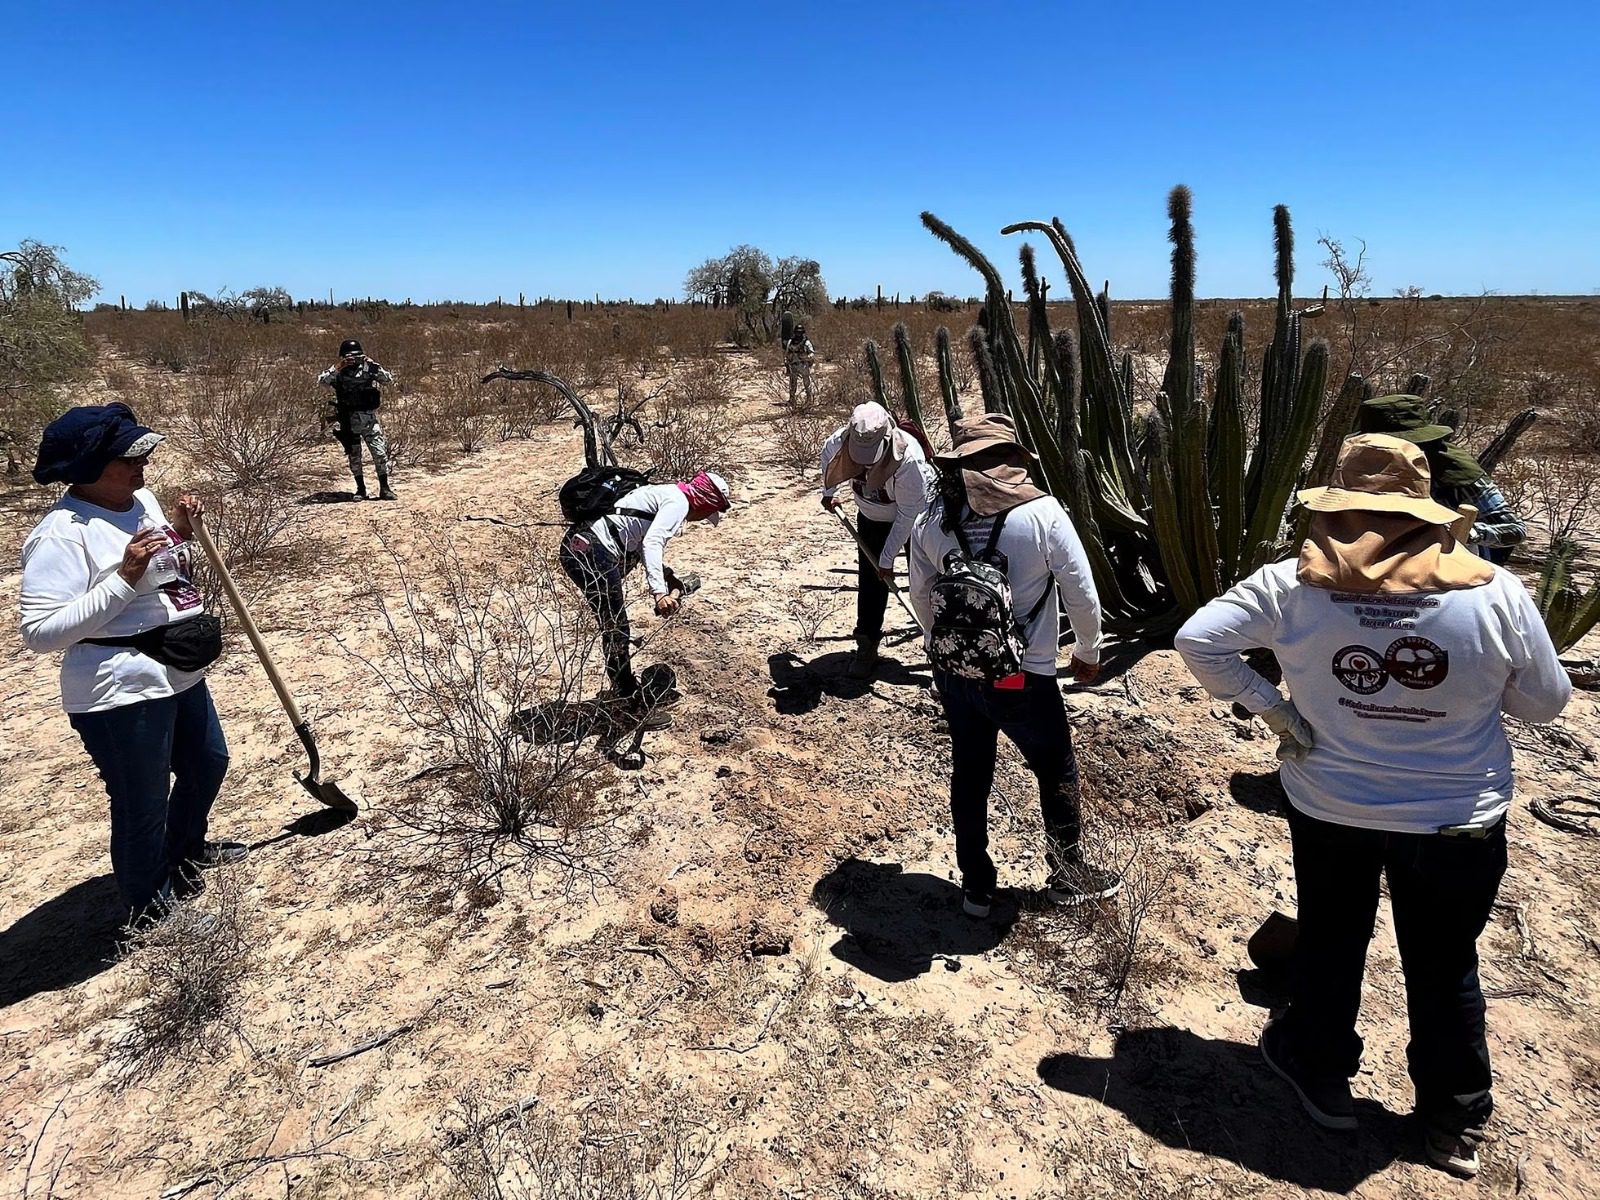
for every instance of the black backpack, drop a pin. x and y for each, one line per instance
(594, 491)
(976, 634)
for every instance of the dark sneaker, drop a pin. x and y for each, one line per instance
(1326, 1098)
(187, 882)
(1080, 882)
(361, 494)
(385, 492)
(865, 661)
(1453, 1152)
(221, 854)
(976, 902)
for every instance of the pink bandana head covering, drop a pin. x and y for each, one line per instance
(707, 494)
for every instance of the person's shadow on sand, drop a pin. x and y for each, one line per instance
(897, 923)
(1218, 1098)
(65, 940)
(798, 686)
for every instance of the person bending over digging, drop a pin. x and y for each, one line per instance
(891, 480)
(1401, 649)
(986, 562)
(356, 382)
(108, 579)
(599, 553)
(1457, 478)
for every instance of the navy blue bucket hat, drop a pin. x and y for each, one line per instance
(78, 445)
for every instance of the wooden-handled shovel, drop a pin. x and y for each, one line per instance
(325, 790)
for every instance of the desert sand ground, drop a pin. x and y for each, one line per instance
(770, 988)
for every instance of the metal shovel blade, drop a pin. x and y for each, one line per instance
(329, 792)
(325, 790)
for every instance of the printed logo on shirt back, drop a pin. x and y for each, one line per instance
(1417, 663)
(1361, 670)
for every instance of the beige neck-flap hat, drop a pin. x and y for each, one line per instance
(1380, 473)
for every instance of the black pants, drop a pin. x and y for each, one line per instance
(1035, 719)
(872, 593)
(598, 573)
(1442, 890)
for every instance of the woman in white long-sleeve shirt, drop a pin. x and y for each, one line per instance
(106, 578)
(1401, 650)
(599, 554)
(891, 481)
(988, 507)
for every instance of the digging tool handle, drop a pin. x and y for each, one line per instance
(866, 550)
(250, 631)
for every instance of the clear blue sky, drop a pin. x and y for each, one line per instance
(469, 150)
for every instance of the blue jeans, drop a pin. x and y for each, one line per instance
(162, 762)
(1034, 717)
(1442, 890)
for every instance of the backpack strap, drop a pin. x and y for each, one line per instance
(1049, 591)
(960, 532)
(994, 533)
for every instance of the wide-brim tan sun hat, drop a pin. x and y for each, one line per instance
(1381, 473)
(974, 435)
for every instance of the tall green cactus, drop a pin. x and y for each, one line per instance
(948, 392)
(909, 391)
(1226, 448)
(1179, 504)
(1568, 614)
(875, 370)
(983, 361)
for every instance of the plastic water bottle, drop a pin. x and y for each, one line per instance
(162, 568)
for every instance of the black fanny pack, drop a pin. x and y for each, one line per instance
(190, 645)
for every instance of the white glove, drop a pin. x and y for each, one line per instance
(1294, 735)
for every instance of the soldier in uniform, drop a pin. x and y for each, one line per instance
(355, 380)
(798, 354)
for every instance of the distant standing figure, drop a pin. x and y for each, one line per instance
(798, 354)
(356, 380)
(1457, 477)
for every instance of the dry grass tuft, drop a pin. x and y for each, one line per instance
(631, 1140)
(188, 969)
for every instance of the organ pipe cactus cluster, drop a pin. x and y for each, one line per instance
(1177, 503)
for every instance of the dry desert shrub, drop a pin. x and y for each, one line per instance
(811, 611)
(1096, 952)
(248, 526)
(466, 409)
(187, 969)
(248, 424)
(691, 423)
(1561, 491)
(798, 439)
(479, 654)
(630, 1141)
